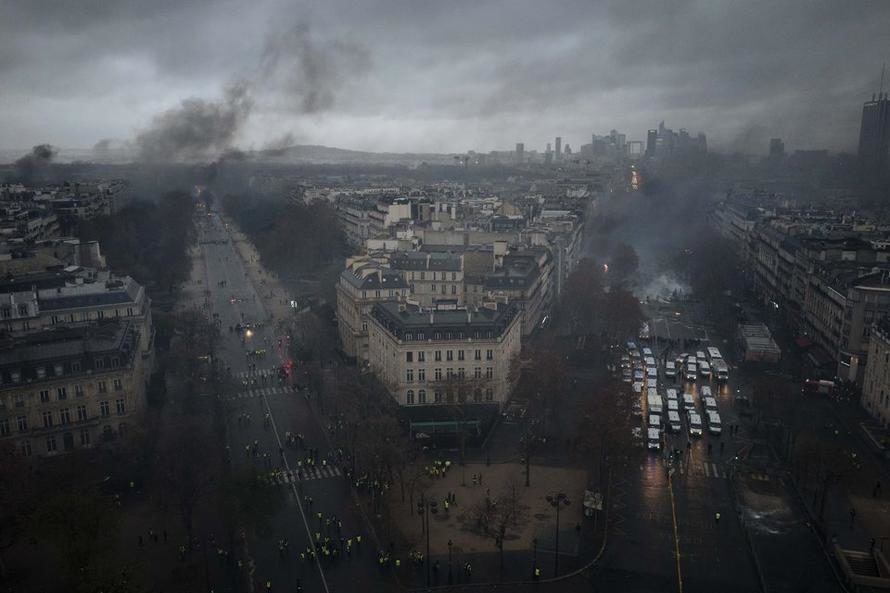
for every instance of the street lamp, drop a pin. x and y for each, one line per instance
(557, 501)
(535, 557)
(424, 508)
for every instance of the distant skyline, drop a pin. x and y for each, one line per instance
(407, 76)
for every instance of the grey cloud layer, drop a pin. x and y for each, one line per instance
(403, 75)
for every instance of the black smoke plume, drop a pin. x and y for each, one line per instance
(197, 129)
(34, 166)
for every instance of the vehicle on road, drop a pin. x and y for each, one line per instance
(710, 404)
(674, 421)
(672, 394)
(688, 402)
(652, 383)
(704, 370)
(654, 402)
(673, 406)
(714, 354)
(637, 435)
(714, 425)
(705, 391)
(818, 386)
(636, 409)
(691, 372)
(670, 369)
(720, 370)
(654, 421)
(695, 427)
(654, 440)
(647, 352)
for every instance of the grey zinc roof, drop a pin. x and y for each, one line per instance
(373, 281)
(412, 260)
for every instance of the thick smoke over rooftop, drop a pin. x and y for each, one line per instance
(197, 129)
(35, 164)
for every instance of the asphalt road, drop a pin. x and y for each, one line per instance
(235, 302)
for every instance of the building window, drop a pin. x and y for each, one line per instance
(489, 373)
(103, 387)
(421, 375)
(47, 419)
(409, 399)
(65, 416)
(460, 354)
(438, 356)
(21, 423)
(99, 363)
(84, 436)
(78, 391)
(44, 396)
(449, 356)
(104, 409)
(62, 393)
(477, 355)
(444, 289)
(438, 374)
(51, 444)
(489, 355)
(437, 396)
(4, 427)
(449, 373)
(409, 375)
(409, 357)
(460, 373)
(477, 373)
(433, 287)
(117, 384)
(121, 407)
(75, 366)
(477, 395)
(6, 313)
(115, 363)
(453, 289)
(81, 413)
(25, 448)
(489, 394)
(421, 356)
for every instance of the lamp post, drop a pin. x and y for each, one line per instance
(450, 578)
(534, 556)
(557, 501)
(424, 508)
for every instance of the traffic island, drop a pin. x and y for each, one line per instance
(486, 517)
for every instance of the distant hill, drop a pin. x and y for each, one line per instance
(300, 154)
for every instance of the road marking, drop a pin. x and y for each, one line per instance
(676, 536)
(298, 497)
(707, 473)
(716, 473)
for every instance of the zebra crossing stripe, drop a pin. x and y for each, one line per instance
(716, 473)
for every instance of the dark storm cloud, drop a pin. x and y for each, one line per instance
(400, 74)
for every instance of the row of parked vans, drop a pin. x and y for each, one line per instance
(702, 364)
(674, 407)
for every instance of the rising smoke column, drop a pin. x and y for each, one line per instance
(34, 165)
(197, 128)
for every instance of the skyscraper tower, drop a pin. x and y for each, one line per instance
(558, 146)
(520, 152)
(874, 136)
(651, 141)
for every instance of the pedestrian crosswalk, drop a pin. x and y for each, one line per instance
(259, 392)
(301, 475)
(709, 470)
(258, 374)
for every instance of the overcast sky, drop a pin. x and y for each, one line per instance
(425, 75)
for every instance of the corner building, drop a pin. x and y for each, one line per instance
(439, 357)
